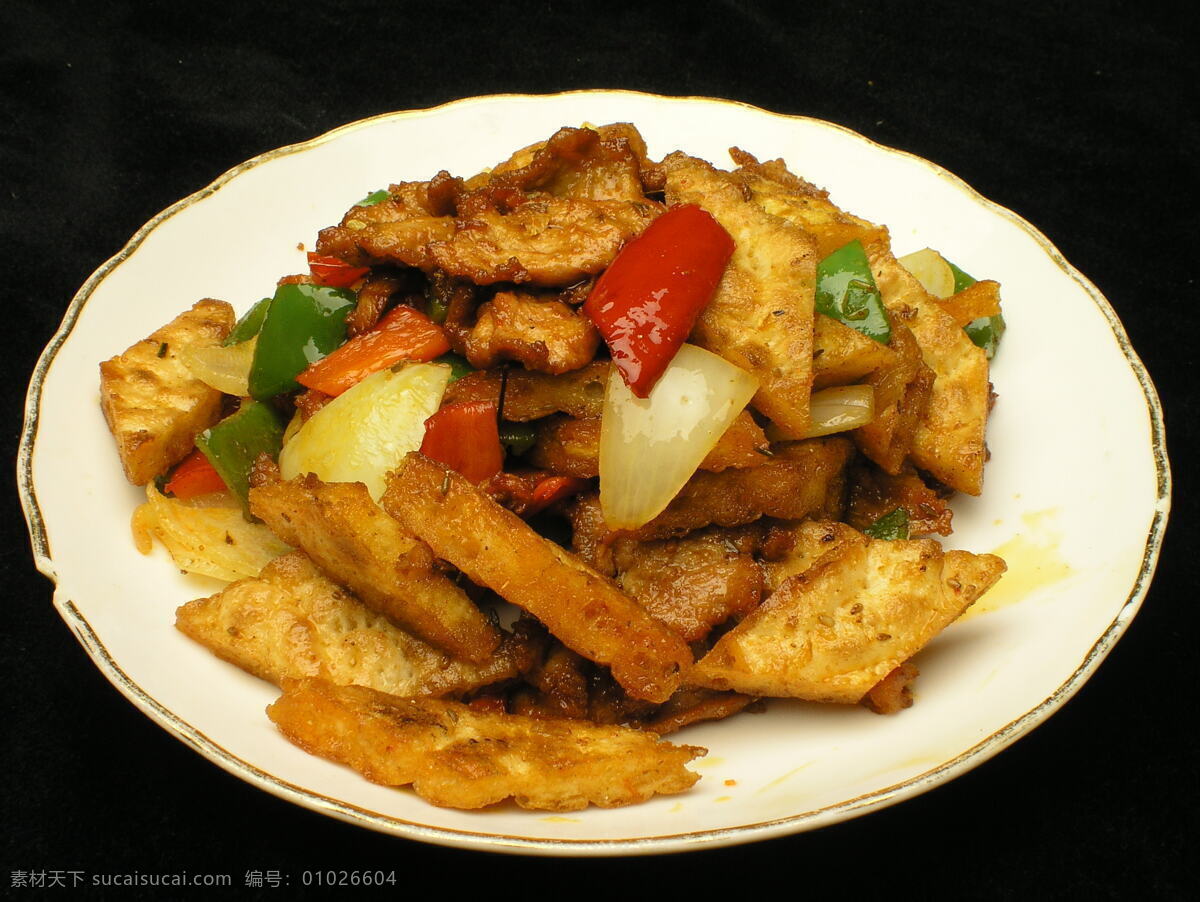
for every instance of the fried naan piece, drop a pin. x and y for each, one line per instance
(456, 757)
(788, 196)
(809, 543)
(531, 396)
(539, 239)
(351, 538)
(571, 446)
(761, 317)
(834, 631)
(152, 403)
(949, 440)
(495, 548)
(544, 335)
(292, 622)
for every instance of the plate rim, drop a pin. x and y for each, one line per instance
(660, 844)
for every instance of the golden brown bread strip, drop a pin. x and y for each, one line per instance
(834, 631)
(761, 317)
(902, 392)
(154, 406)
(292, 622)
(949, 441)
(360, 547)
(790, 197)
(843, 356)
(495, 548)
(460, 758)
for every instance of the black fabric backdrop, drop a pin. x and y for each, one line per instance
(1081, 117)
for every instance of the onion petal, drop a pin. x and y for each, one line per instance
(650, 447)
(841, 408)
(225, 368)
(931, 270)
(364, 433)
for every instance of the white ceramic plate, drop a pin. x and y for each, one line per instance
(1066, 376)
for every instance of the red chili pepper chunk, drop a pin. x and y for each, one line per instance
(648, 299)
(403, 334)
(465, 436)
(334, 272)
(195, 476)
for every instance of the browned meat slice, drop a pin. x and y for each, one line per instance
(397, 230)
(803, 479)
(761, 317)
(874, 493)
(362, 548)
(690, 584)
(541, 239)
(585, 611)
(373, 298)
(606, 163)
(458, 757)
(689, 706)
(543, 335)
(531, 396)
(790, 197)
(572, 446)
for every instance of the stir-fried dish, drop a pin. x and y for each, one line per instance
(533, 468)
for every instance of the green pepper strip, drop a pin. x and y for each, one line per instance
(235, 443)
(249, 325)
(458, 365)
(375, 197)
(986, 331)
(846, 291)
(517, 437)
(891, 526)
(303, 324)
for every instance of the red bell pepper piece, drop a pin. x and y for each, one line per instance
(648, 299)
(334, 272)
(552, 489)
(403, 334)
(465, 436)
(195, 476)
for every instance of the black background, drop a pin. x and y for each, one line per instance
(1081, 117)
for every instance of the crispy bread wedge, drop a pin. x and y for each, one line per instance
(833, 631)
(154, 406)
(949, 440)
(457, 757)
(352, 540)
(292, 622)
(761, 317)
(493, 547)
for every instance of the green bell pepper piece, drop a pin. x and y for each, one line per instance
(891, 526)
(235, 443)
(375, 197)
(846, 291)
(249, 325)
(303, 324)
(458, 365)
(985, 332)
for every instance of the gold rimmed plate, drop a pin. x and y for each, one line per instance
(1076, 438)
